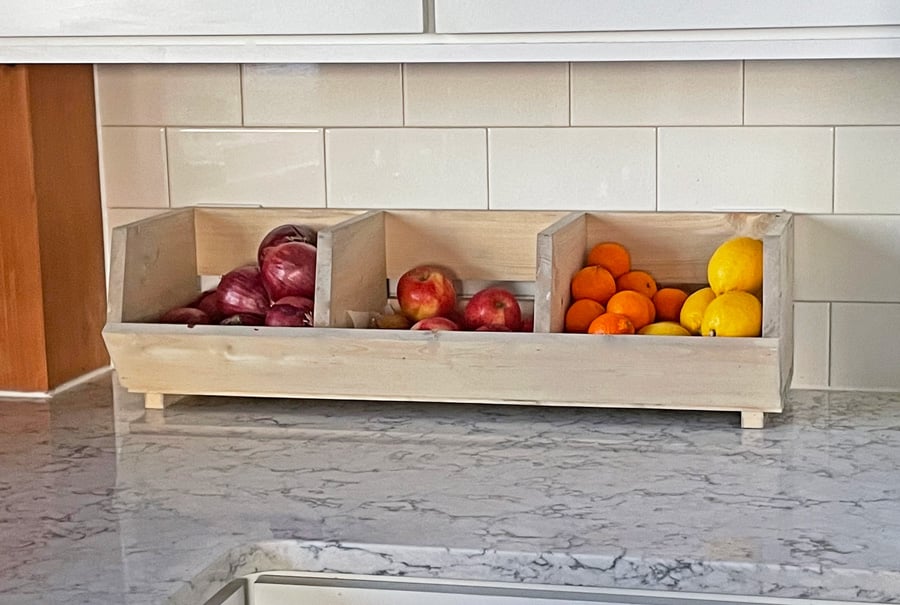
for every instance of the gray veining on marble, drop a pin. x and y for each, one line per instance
(105, 504)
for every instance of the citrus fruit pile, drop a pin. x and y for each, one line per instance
(609, 297)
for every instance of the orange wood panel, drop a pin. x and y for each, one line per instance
(52, 303)
(70, 224)
(23, 363)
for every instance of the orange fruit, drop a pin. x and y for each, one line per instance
(612, 256)
(639, 281)
(582, 313)
(634, 305)
(668, 303)
(593, 282)
(611, 323)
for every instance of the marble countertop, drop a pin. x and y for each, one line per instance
(104, 503)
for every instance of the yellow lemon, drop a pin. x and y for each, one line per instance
(693, 308)
(733, 314)
(736, 265)
(664, 328)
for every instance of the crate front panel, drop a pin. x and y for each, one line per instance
(333, 363)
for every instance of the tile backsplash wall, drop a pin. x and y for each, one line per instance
(819, 138)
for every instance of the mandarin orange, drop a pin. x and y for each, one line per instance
(634, 305)
(581, 313)
(612, 256)
(668, 303)
(611, 323)
(593, 282)
(639, 281)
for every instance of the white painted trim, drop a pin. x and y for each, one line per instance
(63, 387)
(788, 43)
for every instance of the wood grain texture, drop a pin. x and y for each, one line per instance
(23, 363)
(229, 237)
(753, 420)
(156, 263)
(778, 299)
(70, 225)
(561, 253)
(356, 257)
(350, 271)
(475, 245)
(542, 369)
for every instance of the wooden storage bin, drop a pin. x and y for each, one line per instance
(157, 264)
(749, 375)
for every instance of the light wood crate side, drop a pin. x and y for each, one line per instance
(350, 270)
(229, 237)
(673, 247)
(487, 245)
(152, 267)
(778, 294)
(541, 369)
(560, 254)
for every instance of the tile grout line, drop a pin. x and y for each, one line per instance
(168, 169)
(656, 135)
(403, 95)
(241, 89)
(569, 90)
(833, 165)
(325, 166)
(743, 93)
(487, 164)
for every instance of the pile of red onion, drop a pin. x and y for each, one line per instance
(277, 291)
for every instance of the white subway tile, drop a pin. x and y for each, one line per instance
(406, 168)
(656, 93)
(739, 168)
(867, 169)
(811, 345)
(323, 95)
(169, 95)
(572, 168)
(822, 92)
(134, 167)
(116, 217)
(486, 94)
(865, 350)
(847, 258)
(246, 167)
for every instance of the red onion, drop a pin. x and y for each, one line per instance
(286, 233)
(291, 311)
(243, 319)
(209, 304)
(289, 316)
(289, 270)
(242, 291)
(184, 315)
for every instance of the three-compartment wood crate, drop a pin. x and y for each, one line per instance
(157, 263)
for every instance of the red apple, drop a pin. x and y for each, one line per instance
(424, 292)
(527, 324)
(435, 323)
(493, 306)
(492, 328)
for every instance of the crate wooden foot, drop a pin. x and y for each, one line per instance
(752, 420)
(154, 401)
